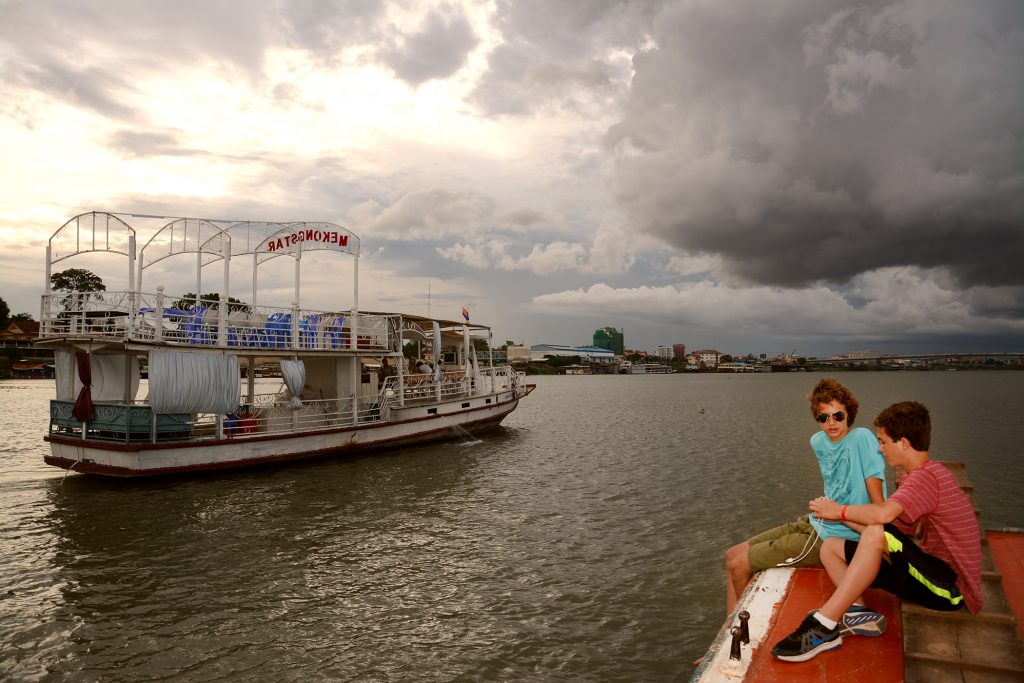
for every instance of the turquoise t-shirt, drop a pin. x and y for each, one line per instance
(845, 465)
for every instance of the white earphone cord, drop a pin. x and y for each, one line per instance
(813, 540)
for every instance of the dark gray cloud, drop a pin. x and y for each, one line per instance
(437, 49)
(323, 27)
(518, 83)
(814, 140)
(559, 52)
(565, 31)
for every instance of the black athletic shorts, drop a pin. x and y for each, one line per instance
(912, 574)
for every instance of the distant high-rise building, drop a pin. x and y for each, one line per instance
(679, 352)
(664, 352)
(611, 339)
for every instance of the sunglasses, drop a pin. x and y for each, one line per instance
(838, 416)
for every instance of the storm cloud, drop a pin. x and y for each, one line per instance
(809, 141)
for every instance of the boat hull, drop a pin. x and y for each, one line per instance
(408, 426)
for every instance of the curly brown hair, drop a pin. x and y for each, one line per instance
(828, 390)
(907, 419)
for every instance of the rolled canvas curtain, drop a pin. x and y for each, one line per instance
(193, 383)
(83, 410)
(294, 374)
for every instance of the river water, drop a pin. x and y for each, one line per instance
(583, 540)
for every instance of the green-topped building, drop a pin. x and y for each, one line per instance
(609, 338)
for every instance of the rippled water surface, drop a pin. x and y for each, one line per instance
(580, 541)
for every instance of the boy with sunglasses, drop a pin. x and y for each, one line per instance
(943, 572)
(853, 473)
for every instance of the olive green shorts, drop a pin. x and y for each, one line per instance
(775, 546)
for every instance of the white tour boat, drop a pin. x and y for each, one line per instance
(347, 382)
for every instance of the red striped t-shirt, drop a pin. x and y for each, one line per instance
(937, 509)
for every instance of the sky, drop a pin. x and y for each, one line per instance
(814, 176)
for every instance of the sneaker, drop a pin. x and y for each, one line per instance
(861, 621)
(807, 641)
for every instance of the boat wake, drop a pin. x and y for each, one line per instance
(467, 439)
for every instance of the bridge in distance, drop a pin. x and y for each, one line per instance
(980, 357)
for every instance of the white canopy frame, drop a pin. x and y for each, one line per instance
(187, 236)
(87, 232)
(292, 239)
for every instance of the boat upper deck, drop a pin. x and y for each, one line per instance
(133, 316)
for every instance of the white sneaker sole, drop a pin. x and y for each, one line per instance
(871, 624)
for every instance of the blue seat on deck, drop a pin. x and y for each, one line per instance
(196, 329)
(309, 331)
(279, 330)
(333, 332)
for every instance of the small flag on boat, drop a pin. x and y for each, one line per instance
(465, 313)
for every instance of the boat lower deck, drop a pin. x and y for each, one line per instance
(409, 425)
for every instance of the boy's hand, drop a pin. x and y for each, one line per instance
(823, 508)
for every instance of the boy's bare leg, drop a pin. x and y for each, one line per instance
(851, 581)
(737, 574)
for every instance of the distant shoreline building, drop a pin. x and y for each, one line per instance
(20, 333)
(518, 354)
(585, 353)
(679, 353)
(611, 339)
(708, 357)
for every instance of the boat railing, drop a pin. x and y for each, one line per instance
(270, 415)
(152, 318)
(501, 378)
(421, 387)
(120, 422)
(136, 422)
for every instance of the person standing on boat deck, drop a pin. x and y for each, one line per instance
(853, 473)
(943, 572)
